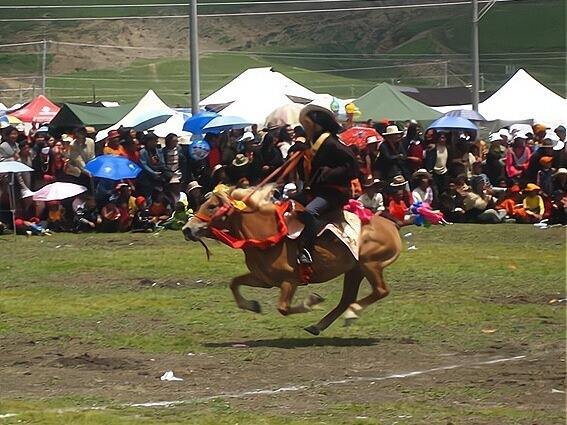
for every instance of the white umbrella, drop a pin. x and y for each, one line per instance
(10, 166)
(285, 115)
(57, 191)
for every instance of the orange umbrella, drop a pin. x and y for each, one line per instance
(359, 136)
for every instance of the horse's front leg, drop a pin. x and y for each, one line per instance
(248, 280)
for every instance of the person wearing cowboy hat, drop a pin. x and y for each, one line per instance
(422, 191)
(392, 159)
(372, 198)
(332, 166)
(194, 194)
(400, 200)
(533, 203)
(239, 168)
(560, 180)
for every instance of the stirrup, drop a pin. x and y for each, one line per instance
(304, 257)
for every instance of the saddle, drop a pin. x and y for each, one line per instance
(344, 225)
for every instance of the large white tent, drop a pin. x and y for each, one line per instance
(256, 92)
(150, 106)
(523, 97)
(520, 99)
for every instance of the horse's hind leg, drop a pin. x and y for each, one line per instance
(374, 275)
(287, 291)
(247, 280)
(351, 283)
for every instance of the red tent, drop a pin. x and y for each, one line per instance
(40, 110)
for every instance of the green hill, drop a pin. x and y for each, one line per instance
(342, 53)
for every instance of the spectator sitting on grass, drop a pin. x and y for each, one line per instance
(372, 198)
(86, 218)
(533, 203)
(179, 217)
(142, 221)
(55, 216)
(159, 209)
(423, 191)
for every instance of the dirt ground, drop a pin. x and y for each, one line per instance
(310, 373)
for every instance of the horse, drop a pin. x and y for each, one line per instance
(274, 264)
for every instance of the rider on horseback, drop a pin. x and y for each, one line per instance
(330, 168)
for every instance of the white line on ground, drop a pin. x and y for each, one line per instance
(291, 388)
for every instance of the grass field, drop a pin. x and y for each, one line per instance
(88, 324)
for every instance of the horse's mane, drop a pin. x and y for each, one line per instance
(260, 199)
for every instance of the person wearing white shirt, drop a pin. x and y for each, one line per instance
(371, 198)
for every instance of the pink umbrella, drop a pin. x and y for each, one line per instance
(57, 191)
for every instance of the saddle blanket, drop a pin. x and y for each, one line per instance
(347, 230)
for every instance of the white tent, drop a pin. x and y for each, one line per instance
(520, 99)
(150, 106)
(523, 97)
(256, 92)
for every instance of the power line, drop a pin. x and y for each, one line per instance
(151, 5)
(271, 13)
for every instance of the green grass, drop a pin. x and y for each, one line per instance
(97, 289)
(94, 280)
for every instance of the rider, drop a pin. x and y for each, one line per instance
(331, 166)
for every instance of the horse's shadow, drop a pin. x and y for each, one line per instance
(291, 343)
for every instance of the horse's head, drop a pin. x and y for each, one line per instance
(217, 211)
(213, 210)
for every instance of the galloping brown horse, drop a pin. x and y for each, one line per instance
(276, 265)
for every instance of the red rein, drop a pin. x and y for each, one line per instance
(236, 243)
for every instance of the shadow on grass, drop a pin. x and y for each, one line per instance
(290, 343)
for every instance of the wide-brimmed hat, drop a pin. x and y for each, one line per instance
(392, 130)
(176, 178)
(323, 117)
(193, 185)
(240, 160)
(371, 182)
(422, 172)
(67, 138)
(247, 137)
(216, 169)
(398, 181)
(531, 187)
(495, 137)
(538, 128)
(371, 139)
(560, 172)
(113, 134)
(121, 185)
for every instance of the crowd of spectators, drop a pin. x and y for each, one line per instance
(518, 174)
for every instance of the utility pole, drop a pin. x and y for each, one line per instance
(194, 57)
(476, 17)
(94, 94)
(44, 67)
(475, 55)
(446, 79)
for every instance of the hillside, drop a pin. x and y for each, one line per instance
(343, 53)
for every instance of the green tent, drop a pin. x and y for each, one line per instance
(71, 116)
(386, 102)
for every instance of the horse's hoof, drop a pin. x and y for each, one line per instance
(315, 299)
(349, 321)
(255, 307)
(313, 330)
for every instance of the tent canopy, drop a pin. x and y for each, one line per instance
(71, 116)
(256, 92)
(385, 101)
(148, 107)
(523, 97)
(39, 110)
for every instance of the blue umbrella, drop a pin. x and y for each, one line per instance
(113, 167)
(469, 114)
(225, 122)
(196, 123)
(450, 123)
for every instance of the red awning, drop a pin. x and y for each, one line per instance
(40, 110)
